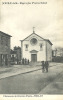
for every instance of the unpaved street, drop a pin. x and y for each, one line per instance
(34, 82)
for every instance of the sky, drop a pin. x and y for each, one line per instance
(18, 20)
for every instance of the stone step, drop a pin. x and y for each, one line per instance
(35, 63)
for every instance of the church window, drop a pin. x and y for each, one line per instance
(41, 46)
(26, 47)
(33, 41)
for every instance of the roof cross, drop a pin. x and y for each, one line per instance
(33, 30)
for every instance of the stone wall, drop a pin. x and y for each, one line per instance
(4, 45)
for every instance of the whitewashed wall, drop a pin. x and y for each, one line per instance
(49, 52)
(44, 54)
(41, 55)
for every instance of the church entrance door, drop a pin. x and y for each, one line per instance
(34, 57)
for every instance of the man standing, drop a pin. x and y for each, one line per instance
(43, 66)
(46, 66)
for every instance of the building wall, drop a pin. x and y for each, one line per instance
(59, 52)
(19, 54)
(44, 54)
(4, 47)
(41, 55)
(34, 36)
(16, 55)
(48, 52)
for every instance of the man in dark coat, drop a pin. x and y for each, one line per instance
(43, 66)
(28, 61)
(46, 66)
(23, 61)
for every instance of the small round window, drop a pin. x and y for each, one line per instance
(33, 41)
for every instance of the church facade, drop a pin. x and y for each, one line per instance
(35, 48)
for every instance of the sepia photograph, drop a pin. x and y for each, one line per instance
(31, 47)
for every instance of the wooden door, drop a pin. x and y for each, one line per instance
(34, 57)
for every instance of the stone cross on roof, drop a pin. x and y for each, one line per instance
(33, 30)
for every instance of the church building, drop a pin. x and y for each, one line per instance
(35, 48)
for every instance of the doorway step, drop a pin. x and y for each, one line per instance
(35, 64)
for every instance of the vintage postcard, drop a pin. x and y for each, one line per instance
(31, 49)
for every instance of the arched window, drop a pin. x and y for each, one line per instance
(26, 47)
(41, 47)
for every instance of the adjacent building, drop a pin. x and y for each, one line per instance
(35, 48)
(4, 49)
(16, 55)
(58, 52)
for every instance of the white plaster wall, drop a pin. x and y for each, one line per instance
(41, 55)
(49, 52)
(33, 36)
